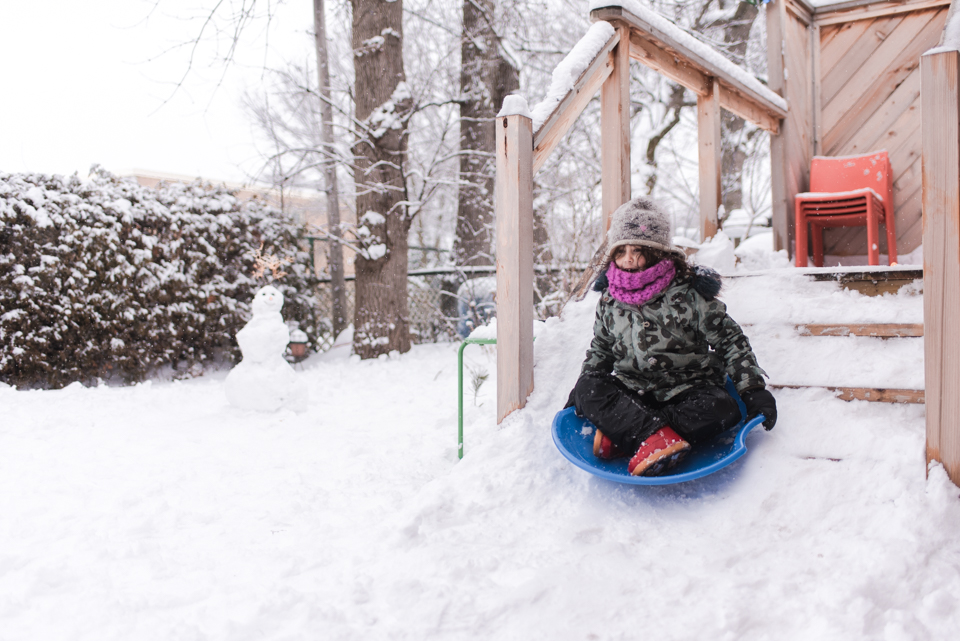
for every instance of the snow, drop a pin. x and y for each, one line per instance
(704, 51)
(717, 253)
(843, 194)
(853, 361)
(386, 117)
(376, 252)
(374, 43)
(159, 511)
(402, 92)
(485, 332)
(950, 40)
(755, 252)
(373, 218)
(514, 105)
(566, 73)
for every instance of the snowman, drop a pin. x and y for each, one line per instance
(264, 380)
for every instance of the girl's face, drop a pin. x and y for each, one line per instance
(630, 258)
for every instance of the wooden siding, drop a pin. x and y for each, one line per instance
(869, 99)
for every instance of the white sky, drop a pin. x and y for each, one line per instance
(85, 82)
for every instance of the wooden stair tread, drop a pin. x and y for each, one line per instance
(870, 281)
(873, 394)
(873, 330)
(876, 330)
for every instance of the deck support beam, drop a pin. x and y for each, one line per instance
(615, 129)
(708, 145)
(940, 90)
(514, 214)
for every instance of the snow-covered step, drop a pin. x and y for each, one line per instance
(815, 332)
(839, 361)
(794, 298)
(875, 330)
(874, 394)
(881, 363)
(870, 281)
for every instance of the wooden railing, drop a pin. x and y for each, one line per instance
(521, 152)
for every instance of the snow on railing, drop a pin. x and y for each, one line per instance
(566, 73)
(701, 50)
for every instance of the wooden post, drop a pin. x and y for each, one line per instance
(615, 130)
(776, 14)
(940, 93)
(514, 213)
(790, 72)
(708, 143)
(817, 116)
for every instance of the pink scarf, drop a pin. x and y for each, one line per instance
(636, 288)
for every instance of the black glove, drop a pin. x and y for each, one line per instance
(570, 399)
(761, 401)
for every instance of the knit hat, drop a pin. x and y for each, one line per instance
(640, 222)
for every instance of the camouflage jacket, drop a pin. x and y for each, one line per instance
(673, 342)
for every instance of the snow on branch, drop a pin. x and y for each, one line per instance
(386, 116)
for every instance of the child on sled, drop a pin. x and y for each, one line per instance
(663, 345)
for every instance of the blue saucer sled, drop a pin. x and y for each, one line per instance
(574, 438)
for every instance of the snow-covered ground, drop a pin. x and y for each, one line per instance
(161, 512)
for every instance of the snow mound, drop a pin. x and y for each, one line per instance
(159, 512)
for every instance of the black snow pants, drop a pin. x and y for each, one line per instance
(628, 419)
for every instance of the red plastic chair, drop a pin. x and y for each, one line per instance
(847, 191)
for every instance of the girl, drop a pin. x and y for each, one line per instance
(653, 379)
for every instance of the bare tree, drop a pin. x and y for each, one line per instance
(486, 77)
(334, 247)
(383, 102)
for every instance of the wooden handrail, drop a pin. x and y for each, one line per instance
(567, 111)
(663, 52)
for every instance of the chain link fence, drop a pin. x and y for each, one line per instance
(440, 305)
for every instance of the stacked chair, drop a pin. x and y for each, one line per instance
(847, 191)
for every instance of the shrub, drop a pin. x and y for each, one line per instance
(105, 278)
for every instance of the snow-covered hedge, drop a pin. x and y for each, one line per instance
(102, 277)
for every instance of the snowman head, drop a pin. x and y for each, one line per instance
(267, 299)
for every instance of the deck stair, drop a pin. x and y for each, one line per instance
(874, 350)
(876, 330)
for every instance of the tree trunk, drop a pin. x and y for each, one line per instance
(485, 79)
(382, 106)
(335, 249)
(735, 33)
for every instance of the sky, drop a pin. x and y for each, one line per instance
(95, 82)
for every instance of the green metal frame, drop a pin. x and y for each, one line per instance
(469, 341)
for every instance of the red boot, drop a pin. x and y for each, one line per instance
(658, 453)
(604, 448)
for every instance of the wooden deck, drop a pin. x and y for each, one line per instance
(854, 88)
(847, 78)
